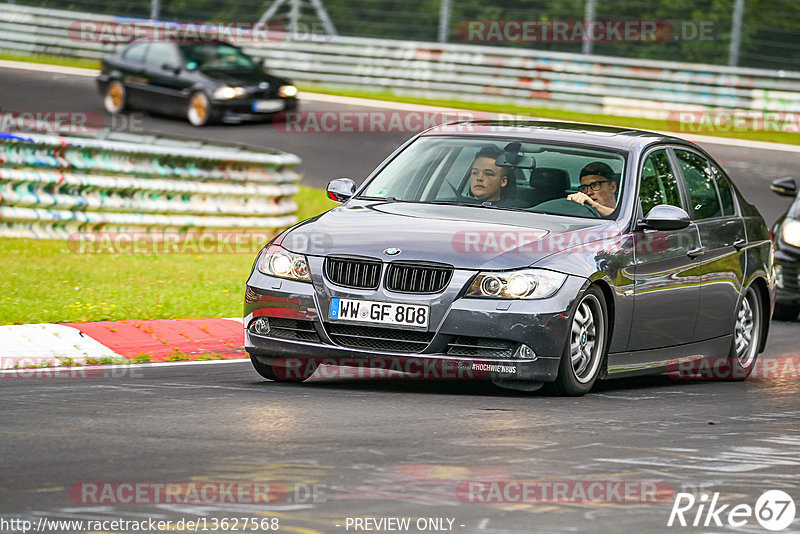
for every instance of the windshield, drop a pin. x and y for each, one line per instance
(216, 56)
(503, 173)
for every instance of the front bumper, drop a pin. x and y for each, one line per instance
(241, 110)
(542, 325)
(788, 263)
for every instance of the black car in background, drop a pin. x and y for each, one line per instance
(205, 82)
(786, 232)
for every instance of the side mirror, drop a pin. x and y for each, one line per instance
(665, 217)
(341, 189)
(785, 187)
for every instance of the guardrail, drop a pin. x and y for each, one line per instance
(618, 86)
(55, 186)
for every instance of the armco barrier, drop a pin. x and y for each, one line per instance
(52, 186)
(610, 85)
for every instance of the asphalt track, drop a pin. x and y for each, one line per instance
(374, 448)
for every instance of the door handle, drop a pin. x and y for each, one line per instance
(696, 252)
(739, 244)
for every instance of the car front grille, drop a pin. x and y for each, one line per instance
(292, 329)
(410, 278)
(358, 274)
(480, 347)
(376, 338)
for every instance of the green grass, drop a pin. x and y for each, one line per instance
(46, 281)
(52, 60)
(533, 111)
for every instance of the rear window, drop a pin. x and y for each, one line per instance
(136, 52)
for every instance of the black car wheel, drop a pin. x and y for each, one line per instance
(199, 111)
(746, 337)
(786, 312)
(281, 374)
(585, 349)
(116, 99)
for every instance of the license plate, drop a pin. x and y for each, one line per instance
(369, 311)
(268, 105)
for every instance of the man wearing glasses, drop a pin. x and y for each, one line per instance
(598, 188)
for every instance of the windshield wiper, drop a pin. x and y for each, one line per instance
(387, 199)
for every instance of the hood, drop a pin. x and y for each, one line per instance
(243, 77)
(463, 236)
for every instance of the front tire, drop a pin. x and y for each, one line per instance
(199, 112)
(116, 98)
(277, 373)
(585, 349)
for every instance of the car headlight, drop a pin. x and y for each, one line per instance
(287, 91)
(523, 284)
(227, 92)
(277, 261)
(790, 232)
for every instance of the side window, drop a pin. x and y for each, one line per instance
(725, 192)
(658, 184)
(163, 53)
(700, 183)
(135, 52)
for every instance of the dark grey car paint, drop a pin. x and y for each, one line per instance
(657, 300)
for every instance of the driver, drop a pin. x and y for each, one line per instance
(598, 188)
(487, 180)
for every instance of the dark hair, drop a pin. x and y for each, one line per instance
(489, 151)
(600, 169)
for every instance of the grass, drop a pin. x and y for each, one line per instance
(511, 109)
(46, 281)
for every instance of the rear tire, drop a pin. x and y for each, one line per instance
(746, 337)
(585, 349)
(116, 99)
(281, 374)
(786, 312)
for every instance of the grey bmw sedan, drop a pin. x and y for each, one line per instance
(528, 253)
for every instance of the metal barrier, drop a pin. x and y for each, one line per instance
(616, 86)
(54, 186)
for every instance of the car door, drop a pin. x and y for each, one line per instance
(666, 280)
(722, 238)
(131, 66)
(165, 84)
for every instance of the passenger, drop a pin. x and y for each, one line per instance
(487, 180)
(598, 188)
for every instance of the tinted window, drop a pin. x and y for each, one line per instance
(702, 189)
(163, 53)
(724, 188)
(135, 52)
(659, 185)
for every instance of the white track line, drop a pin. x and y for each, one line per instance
(401, 106)
(118, 366)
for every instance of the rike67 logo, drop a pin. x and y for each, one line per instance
(774, 510)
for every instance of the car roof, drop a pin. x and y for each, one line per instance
(613, 137)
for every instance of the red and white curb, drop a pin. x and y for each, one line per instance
(158, 340)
